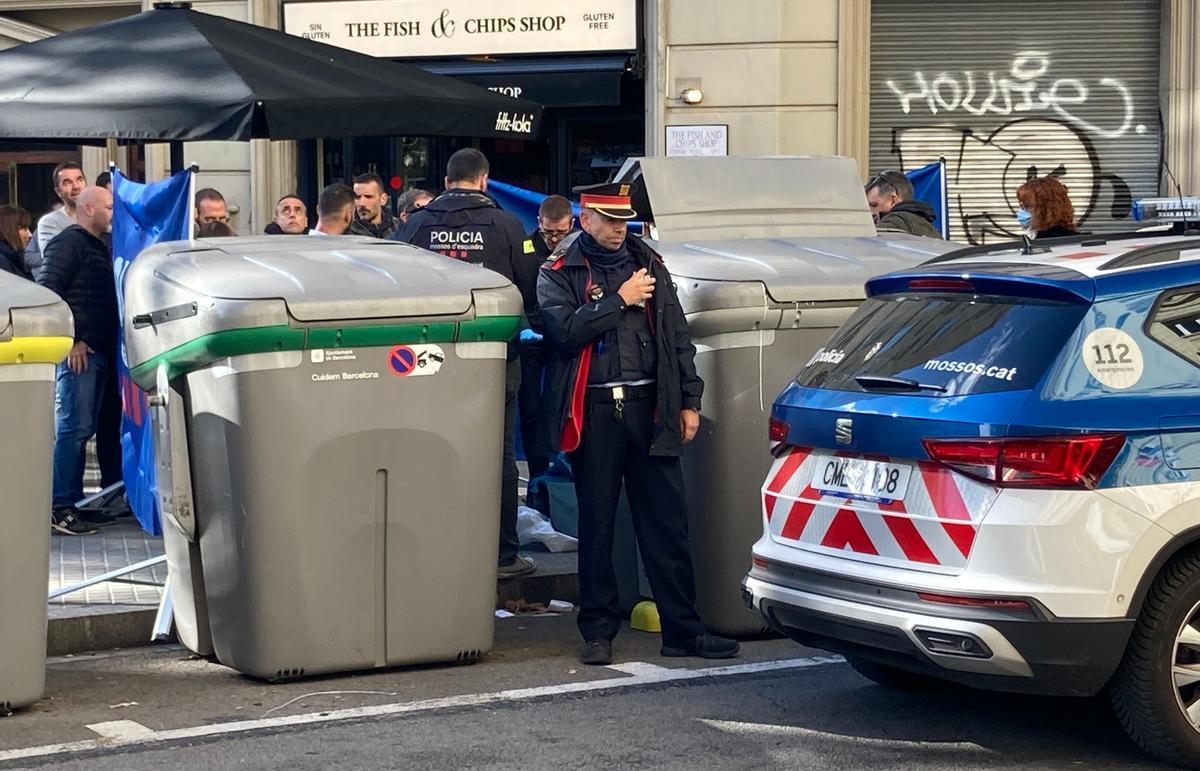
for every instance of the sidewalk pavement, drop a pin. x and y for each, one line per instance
(117, 614)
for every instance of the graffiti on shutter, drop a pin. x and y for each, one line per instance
(1002, 115)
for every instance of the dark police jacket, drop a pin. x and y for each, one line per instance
(469, 226)
(541, 252)
(77, 267)
(574, 322)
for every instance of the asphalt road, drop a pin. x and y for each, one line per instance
(528, 705)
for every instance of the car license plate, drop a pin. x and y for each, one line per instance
(860, 478)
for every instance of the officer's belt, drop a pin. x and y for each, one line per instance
(621, 393)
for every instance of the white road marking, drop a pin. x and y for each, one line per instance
(121, 731)
(639, 669)
(767, 729)
(648, 674)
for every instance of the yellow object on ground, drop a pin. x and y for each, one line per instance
(35, 350)
(645, 617)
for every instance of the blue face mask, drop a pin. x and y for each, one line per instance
(1024, 218)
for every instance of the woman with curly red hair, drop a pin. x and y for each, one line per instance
(1046, 210)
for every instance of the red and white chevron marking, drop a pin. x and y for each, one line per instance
(934, 525)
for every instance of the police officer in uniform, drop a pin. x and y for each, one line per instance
(465, 223)
(629, 398)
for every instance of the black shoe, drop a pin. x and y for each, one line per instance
(706, 646)
(95, 518)
(597, 653)
(66, 521)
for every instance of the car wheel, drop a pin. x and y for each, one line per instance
(1156, 691)
(894, 677)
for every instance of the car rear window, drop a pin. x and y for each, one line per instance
(954, 343)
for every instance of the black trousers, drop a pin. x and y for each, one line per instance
(616, 448)
(535, 436)
(509, 478)
(108, 430)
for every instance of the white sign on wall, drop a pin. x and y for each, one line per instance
(698, 140)
(418, 28)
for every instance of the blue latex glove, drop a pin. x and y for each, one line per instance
(529, 336)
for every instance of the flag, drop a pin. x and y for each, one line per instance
(521, 202)
(525, 203)
(929, 186)
(143, 215)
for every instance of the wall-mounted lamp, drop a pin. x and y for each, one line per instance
(691, 95)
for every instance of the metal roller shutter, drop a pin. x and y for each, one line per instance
(1006, 90)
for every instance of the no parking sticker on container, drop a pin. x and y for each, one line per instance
(415, 360)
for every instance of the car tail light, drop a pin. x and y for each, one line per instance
(975, 602)
(941, 285)
(759, 562)
(1076, 462)
(777, 430)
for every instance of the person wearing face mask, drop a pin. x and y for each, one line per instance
(14, 237)
(1046, 210)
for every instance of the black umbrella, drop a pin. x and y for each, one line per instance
(175, 74)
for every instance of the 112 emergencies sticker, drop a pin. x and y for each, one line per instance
(1113, 358)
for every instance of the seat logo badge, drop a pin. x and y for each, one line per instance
(843, 431)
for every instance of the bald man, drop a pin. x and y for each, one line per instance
(78, 268)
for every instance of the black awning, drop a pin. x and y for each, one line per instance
(586, 81)
(178, 74)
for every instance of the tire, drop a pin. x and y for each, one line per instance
(1143, 691)
(894, 677)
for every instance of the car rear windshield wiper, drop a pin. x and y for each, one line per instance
(883, 382)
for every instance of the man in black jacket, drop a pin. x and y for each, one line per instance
(554, 222)
(78, 268)
(629, 399)
(371, 216)
(466, 224)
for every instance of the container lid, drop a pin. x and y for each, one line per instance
(764, 197)
(322, 279)
(800, 269)
(30, 310)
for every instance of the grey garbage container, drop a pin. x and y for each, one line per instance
(330, 418)
(753, 320)
(764, 276)
(36, 331)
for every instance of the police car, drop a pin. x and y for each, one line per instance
(991, 475)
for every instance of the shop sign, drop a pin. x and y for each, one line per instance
(417, 28)
(554, 89)
(698, 140)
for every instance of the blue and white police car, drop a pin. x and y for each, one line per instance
(991, 475)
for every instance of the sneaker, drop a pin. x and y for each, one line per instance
(94, 518)
(597, 653)
(705, 646)
(66, 521)
(519, 567)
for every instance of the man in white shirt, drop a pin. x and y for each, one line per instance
(335, 211)
(69, 182)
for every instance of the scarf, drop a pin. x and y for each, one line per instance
(598, 255)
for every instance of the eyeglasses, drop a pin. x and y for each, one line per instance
(555, 235)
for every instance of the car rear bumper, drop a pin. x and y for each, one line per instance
(976, 647)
